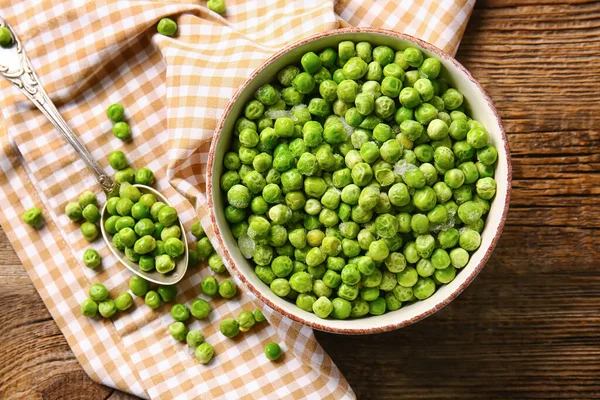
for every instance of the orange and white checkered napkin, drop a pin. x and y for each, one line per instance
(89, 54)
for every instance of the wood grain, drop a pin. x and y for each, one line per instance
(529, 326)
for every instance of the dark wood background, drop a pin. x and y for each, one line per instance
(529, 326)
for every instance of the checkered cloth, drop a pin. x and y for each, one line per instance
(89, 54)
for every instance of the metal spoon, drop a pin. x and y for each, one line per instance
(16, 68)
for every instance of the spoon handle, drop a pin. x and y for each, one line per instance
(16, 68)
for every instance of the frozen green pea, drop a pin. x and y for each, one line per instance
(91, 258)
(485, 171)
(459, 257)
(425, 113)
(180, 312)
(378, 250)
(347, 90)
(346, 50)
(377, 306)
(107, 308)
(87, 197)
(391, 151)
(123, 301)
(246, 320)
(229, 327)
(217, 6)
(385, 107)
(6, 39)
(408, 277)
(425, 198)
(227, 289)
(194, 338)
(383, 55)
(89, 231)
(287, 74)
(469, 240)
(74, 211)
(304, 83)
(178, 331)
(167, 27)
(355, 68)
(453, 99)
(258, 316)
(33, 217)
(204, 353)
(266, 94)
(425, 89)
(121, 130)
(131, 255)
(430, 67)
(144, 176)
(164, 263)
(209, 286)
(341, 308)
(478, 138)
(322, 307)
(281, 287)
(394, 70)
(487, 155)
(364, 51)
(440, 259)
(89, 308)
(117, 159)
(486, 188)
(138, 285)
(413, 57)
(469, 212)
(424, 288)
(360, 308)
(98, 292)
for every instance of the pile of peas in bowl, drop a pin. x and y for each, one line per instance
(356, 182)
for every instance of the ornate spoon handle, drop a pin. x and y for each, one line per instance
(16, 67)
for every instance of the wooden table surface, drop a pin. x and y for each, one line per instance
(529, 326)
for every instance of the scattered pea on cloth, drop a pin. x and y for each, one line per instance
(33, 217)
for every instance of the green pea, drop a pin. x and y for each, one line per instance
(180, 312)
(273, 351)
(123, 301)
(88, 229)
(117, 159)
(209, 286)
(6, 39)
(486, 188)
(122, 131)
(98, 292)
(139, 286)
(74, 211)
(217, 6)
(107, 308)
(227, 289)
(89, 308)
(167, 27)
(91, 258)
(229, 327)
(126, 175)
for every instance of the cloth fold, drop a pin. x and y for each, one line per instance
(90, 54)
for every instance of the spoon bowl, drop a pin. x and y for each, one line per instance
(154, 276)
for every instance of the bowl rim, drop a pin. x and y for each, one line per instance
(441, 304)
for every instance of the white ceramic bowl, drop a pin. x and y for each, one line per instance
(481, 109)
